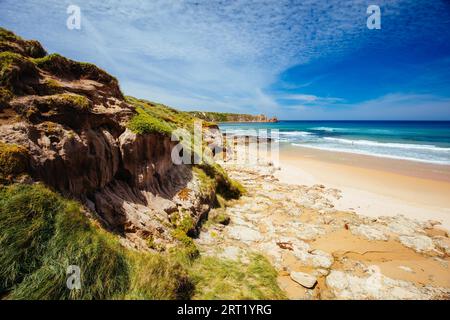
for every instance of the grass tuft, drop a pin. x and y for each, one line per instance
(221, 279)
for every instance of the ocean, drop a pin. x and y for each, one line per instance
(424, 141)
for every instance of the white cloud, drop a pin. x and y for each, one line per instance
(394, 106)
(204, 54)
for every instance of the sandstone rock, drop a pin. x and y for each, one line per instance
(344, 285)
(244, 234)
(419, 243)
(443, 243)
(369, 232)
(316, 259)
(304, 279)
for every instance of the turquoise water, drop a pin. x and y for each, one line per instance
(425, 141)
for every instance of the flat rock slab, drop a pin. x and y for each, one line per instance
(303, 279)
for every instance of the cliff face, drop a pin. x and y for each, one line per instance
(232, 117)
(74, 124)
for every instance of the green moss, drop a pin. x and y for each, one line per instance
(52, 85)
(15, 69)
(7, 35)
(183, 226)
(224, 185)
(80, 102)
(63, 67)
(7, 62)
(219, 216)
(13, 161)
(222, 279)
(5, 97)
(207, 184)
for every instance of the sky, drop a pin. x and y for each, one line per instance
(305, 60)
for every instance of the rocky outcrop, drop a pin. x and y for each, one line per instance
(72, 119)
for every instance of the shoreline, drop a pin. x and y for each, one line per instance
(372, 186)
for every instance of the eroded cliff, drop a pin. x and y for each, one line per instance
(83, 138)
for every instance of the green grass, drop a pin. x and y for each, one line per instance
(221, 279)
(157, 277)
(144, 123)
(41, 234)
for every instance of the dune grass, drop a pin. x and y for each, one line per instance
(219, 279)
(41, 234)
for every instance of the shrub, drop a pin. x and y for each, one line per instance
(144, 122)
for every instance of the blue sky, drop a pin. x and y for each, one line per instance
(292, 59)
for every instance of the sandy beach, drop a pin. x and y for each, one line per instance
(339, 226)
(372, 186)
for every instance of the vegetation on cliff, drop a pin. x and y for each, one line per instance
(231, 117)
(13, 161)
(153, 117)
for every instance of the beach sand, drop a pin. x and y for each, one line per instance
(333, 220)
(372, 186)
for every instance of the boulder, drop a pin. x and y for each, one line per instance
(306, 280)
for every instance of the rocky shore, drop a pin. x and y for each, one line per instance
(323, 253)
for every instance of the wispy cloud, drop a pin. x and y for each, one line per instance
(393, 106)
(309, 98)
(209, 55)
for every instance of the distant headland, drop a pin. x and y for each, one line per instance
(231, 117)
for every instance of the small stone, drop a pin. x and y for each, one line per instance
(304, 279)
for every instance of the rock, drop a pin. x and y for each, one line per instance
(244, 234)
(231, 252)
(402, 226)
(308, 231)
(419, 243)
(304, 279)
(369, 232)
(316, 259)
(443, 243)
(344, 285)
